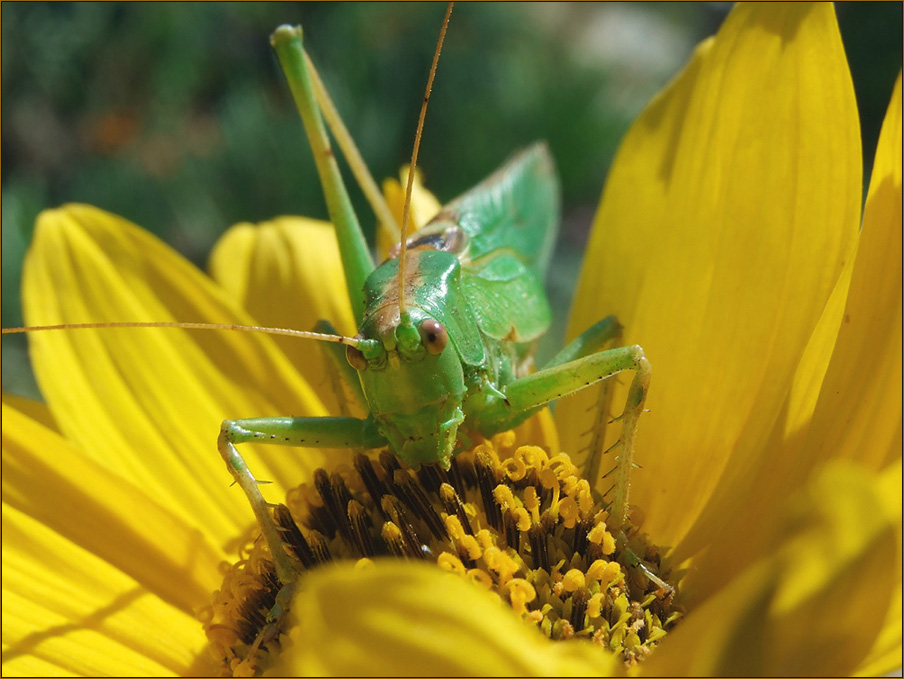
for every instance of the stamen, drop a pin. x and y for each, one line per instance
(514, 521)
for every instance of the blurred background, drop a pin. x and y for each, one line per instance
(176, 116)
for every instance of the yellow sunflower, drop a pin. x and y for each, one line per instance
(730, 243)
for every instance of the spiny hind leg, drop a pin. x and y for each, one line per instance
(594, 339)
(566, 378)
(560, 380)
(591, 341)
(597, 337)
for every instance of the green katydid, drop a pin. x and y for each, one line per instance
(447, 326)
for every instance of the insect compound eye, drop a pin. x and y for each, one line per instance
(434, 335)
(354, 356)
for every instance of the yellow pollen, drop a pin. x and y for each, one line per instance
(604, 572)
(520, 593)
(573, 580)
(517, 522)
(548, 479)
(481, 577)
(504, 496)
(600, 536)
(471, 546)
(451, 563)
(522, 519)
(568, 511)
(514, 469)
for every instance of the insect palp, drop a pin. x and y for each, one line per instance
(355, 356)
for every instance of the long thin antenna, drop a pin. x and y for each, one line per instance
(319, 336)
(403, 312)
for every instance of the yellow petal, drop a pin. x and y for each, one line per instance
(98, 579)
(147, 404)
(847, 408)
(858, 415)
(539, 430)
(814, 605)
(885, 656)
(67, 611)
(725, 224)
(424, 207)
(50, 482)
(287, 274)
(408, 619)
(37, 411)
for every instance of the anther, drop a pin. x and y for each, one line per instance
(359, 523)
(486, 482)
(398, 515)
(579, 607)
(538, 546)
(395, 541)
(293, 538)
(455, 507)
(319, 547)
(389, 462)
(372, 482)
(413, 496)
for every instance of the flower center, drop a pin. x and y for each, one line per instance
(519, 523)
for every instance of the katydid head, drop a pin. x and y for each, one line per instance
(410, 369)
(415, 396)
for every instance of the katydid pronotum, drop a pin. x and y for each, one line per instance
(447, 327)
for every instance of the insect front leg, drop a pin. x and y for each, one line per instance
(560, 380)
(311, 432)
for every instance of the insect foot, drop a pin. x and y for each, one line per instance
(516, 521)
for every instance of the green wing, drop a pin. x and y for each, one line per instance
(510, 222)
(514, 211)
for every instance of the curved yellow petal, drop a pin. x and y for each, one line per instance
(36, 410)
(812, 607)
(858, 415)
(68, 611)
(407, 619)
(287, 274)
(846, 400)
(49, 481)
(885, 656)
(424, 207)
(726, 221)
(147, 404)
(539, 430)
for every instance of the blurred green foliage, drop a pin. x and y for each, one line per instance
(175, 115)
